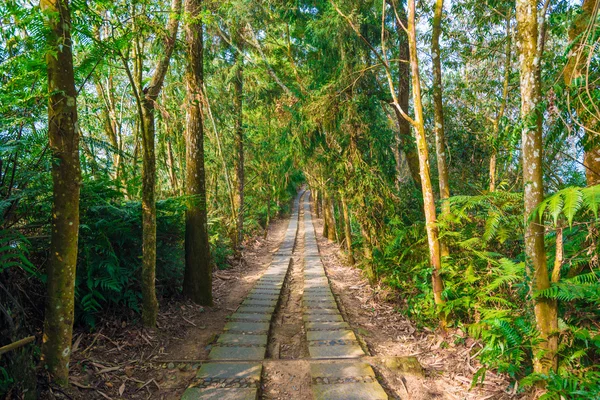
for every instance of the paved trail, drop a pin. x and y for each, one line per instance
(235, 368)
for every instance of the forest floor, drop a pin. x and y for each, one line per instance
(125, 361)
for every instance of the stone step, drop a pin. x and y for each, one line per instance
(220, 394)
(336, 351)
(243, 339)
(235, 352)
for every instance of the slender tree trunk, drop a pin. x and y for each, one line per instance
(576, 68)
(66, 177)
(440, 140)
(426, 187)
(500, 114)
(532, 149)
(197, 281)
(404, 135)
(171, 165)
(239, 137)
(150, 95)
(149, 301)
(328, 216)
(347, 230)
(316, 203)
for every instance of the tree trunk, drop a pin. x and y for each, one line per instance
(171, 165)
(347, 230)
(440, 140)
(239, 136)
(426, 187)
(150, 94)
(149, 302)
(404, 135)
(576, 68)
(500, 114)
(532, 149)
(63, 136)
(197, 281)
(328, 217)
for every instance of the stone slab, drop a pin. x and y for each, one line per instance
(240, 338)
(260, 302)
(263, 296)
(247, 326)
(321, 311)
(341, 370)
(251, 317)
(319, 297)
(322, 318)
(237, 353)
(349, 391)
(326, 325)
(216, 370)
(259, 308)
(336, 351)
(220, 394)
(345, 334)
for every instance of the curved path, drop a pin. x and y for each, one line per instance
(234, 369)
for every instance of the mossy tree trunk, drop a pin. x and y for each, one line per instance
(63, 136)
(197, 281)
(532, 150)
(404, 139)
(426, 187)
(438, 108)
(148, 100)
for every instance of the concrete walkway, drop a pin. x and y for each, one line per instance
(235, 367)
(245, 335)
(329, 336)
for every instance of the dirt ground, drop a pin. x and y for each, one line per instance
(123, 361)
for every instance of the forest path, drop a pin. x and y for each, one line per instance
(313, 328)
(291, 317)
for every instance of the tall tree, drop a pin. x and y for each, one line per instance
(63, 136)
(505, 87)
(404, 139)
(438, 108)
(147, 99)
(426, 187)
(197, 281)
(528, 37)
(238, 99)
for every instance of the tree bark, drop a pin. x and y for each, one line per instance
(426, 187)
(63, 137)
(148, 101)
(347, 229)
(440, 140)
(239, 136)
(404, 135)
(532, 150)
(197, 281)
